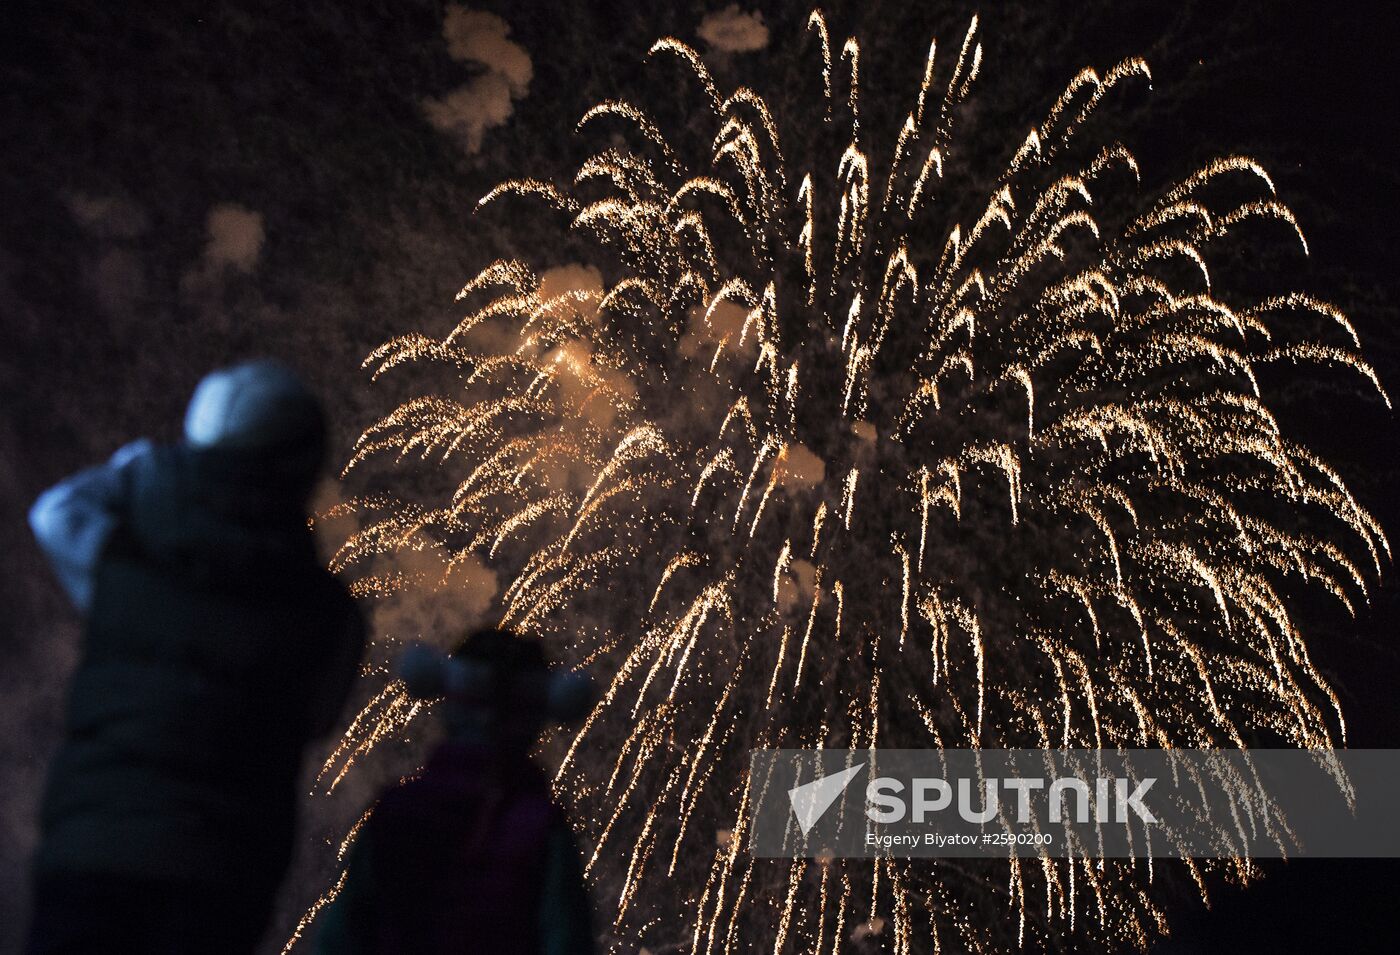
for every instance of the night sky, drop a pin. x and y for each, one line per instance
(184, 184)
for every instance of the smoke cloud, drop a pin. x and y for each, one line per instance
(483, 39)
(108, 217)
(731, 30)
(720, 328)
(443, 601)
(233, 244)
(235, 237)
(799, 468)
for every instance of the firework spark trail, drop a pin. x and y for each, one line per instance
(818, 468)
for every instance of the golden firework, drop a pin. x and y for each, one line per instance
(805, 463)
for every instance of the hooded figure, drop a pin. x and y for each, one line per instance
(472, 855)
(215, 648)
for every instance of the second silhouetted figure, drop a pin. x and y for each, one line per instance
(473, 855)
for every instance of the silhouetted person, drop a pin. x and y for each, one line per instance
(472, 856)
(215, 647)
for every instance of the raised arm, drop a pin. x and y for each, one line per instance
(73, 520)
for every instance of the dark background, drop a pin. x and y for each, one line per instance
(310, 115)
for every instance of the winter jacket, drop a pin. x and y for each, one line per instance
(469, 857)
(215, 648)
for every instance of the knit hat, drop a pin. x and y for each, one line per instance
(499, 671)
(256, 404)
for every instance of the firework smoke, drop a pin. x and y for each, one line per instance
(802, 460)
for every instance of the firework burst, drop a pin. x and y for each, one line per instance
(804, 462)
